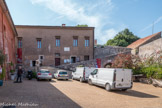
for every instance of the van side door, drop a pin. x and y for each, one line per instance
(94, 76)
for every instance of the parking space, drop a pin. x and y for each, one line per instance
(140, 96)
(73, 94)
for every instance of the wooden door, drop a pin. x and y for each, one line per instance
(57, 61)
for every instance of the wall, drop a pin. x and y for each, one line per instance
(7, 40)
(107, 57)
(147, 49)
(109, 50)
(31, 52)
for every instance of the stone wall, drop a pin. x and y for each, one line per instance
(150, 48)
(92, 63)
(103, 51)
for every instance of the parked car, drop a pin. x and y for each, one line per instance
(44, 74)
(82, 73)
(61, 74)
(112, 78)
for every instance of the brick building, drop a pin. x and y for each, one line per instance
(54, 45)
(8, 35)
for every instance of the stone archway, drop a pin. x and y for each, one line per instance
(108, 65)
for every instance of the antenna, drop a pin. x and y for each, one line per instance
(153, 28)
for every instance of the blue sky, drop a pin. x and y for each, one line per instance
(107, 16)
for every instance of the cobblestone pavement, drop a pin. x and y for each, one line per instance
(140, 96)
(34, 94)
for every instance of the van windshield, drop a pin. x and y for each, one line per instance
(62, 72)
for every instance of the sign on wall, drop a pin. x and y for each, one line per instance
(66, 48)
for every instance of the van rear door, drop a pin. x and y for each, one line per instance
(79, 72)
(123, 78)
(88, 71)
(127, 78)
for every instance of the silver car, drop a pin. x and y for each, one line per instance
(61, 74)
(44, 74)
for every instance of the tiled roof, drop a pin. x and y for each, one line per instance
(142, 41)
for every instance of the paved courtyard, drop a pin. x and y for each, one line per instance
(73, 94)
(34, 94)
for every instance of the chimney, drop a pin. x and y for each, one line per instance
(63, 25)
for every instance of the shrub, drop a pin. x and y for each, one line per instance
(34, 74)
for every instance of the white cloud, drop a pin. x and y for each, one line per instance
(151, 25)
(108, 34)
(78, 14)
(69, 10)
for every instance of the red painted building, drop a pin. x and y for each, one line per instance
(8, 36)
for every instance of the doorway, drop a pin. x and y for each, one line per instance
(73, 59)
(57, 61)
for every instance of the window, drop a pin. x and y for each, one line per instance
(41, 57)
(86, 57)
(94, 72)
(57, 42)
(57, 54)
(86, 42)
(75, 42)
(19, 42)
(39, 43)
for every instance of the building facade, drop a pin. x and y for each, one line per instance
(54, 45)
(8, 36)
(143, 41)
(151, 48)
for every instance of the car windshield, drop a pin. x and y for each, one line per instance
(44, 71)
(62, 72)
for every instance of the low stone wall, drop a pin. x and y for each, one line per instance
(91, 63)
(103, 51)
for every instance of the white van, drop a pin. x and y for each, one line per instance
(111, 78)
(82, 73)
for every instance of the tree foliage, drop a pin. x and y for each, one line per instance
(83, 25)
(123, 38)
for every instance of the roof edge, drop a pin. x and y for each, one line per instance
(8, 15)
(51, 27)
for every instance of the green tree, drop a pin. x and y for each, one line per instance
(83, 25)
(123, 38)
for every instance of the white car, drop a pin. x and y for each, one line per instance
(61, 74)
(111, 78)
(44, 74)
(82, 73)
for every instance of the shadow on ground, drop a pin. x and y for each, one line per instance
(135, 94)
(41, 93)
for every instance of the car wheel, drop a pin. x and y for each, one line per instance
(81, 79)
(108, 87)
(124, 89)
(72, 78)
(89, 82)
(49, 79)
(38, 79)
